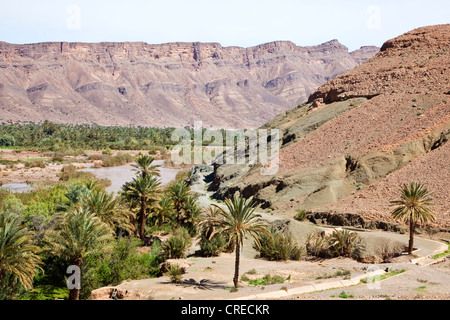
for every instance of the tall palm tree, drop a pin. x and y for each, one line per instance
(144, 166)
(414, 207)
(179, 193)
(80, 235)
(19, 258)
(237, 222)
(146, 191)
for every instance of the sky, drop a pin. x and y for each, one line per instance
(242, 23)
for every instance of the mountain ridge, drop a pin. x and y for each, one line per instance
(172, 84)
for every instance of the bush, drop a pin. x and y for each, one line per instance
(301, 215)
(7, 141)
(175, 273)
(341, 243)
(212, 247)
(278, 246)
(317, 245)
(176, 246)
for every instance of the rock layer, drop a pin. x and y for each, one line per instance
(171, 84)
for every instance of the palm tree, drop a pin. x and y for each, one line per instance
(413, 207)
(179, 193)
(106, 207)
(237, 222)
(144, 166)
(146, 191)
(19, 258)
(80, 235)
(165, 209)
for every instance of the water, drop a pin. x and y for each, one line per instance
(119, 175)
(17, 187)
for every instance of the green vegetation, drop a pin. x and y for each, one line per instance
(301, 215)
(344, 295)
(65, 139)
(341, 243)
(338, 273)
(414, 207)
(443, 254)
(175, 273)
(264, 281)
(277, 246)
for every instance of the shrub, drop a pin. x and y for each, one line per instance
(278, 246)
(212, 247)
(301, 215)
(176, 246)
(7, 141)
(341, 243)
(175, 273)
(317, 245)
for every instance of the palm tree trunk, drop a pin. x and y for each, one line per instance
(411, 236)
(142, 218)
(179, 215)
(74, 294)
(236, 265)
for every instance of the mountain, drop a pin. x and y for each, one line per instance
(361, 136)
(170, 84)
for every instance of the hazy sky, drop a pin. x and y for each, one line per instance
(229, 22)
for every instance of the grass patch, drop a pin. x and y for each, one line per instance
(383, 276)
(338, 273)
(344, 295)
(443, 254)
(46, 293)
(264, 281)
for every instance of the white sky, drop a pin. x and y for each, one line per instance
(230, 22)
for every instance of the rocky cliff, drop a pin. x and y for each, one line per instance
(362, 135)
(170, 84)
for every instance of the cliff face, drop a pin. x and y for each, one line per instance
(170, 84)
(362, 135)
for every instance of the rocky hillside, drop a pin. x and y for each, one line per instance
(362, 135)
(171, 84)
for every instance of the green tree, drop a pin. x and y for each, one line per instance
(19, 258)
(105, 206)
(413, 207)
(238, 221)
(80, 235)
(145, 191)
(144, 166)
(179, 193)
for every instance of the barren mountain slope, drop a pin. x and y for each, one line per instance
(170, 84)
(382, 116)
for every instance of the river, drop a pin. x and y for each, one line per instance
(119, 175)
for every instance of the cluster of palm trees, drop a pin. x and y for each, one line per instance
(175, 206)
(93, 217)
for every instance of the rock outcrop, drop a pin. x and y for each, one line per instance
(171, 84)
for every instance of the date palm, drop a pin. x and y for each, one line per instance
(108, 208)
(238, 221)
(144, 166)
(165, 210)
(19, 258)
(413, 207)
(80, 235)
(145, 191)
(179, 193)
